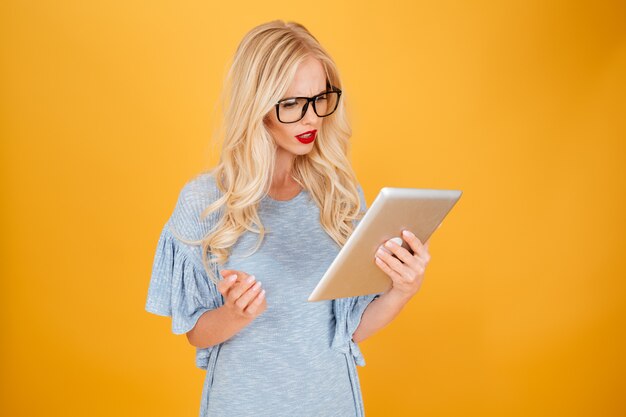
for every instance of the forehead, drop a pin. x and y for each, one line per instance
(310, 79)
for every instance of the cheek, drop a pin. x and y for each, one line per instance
(278, 130)
(280, 133)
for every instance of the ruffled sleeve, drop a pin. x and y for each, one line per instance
(179, 286)
(348, 313)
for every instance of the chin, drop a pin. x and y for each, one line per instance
(304, 149)
(299, 148)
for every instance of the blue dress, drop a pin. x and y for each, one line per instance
(297, 358)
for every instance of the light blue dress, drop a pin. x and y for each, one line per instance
(297, 358)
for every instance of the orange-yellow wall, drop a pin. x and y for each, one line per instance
(107, 108)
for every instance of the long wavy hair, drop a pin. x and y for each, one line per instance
(262, 70)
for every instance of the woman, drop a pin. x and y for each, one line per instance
(249, 240)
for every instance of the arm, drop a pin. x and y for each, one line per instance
(216, 326)
(244, 301)
(379, 313)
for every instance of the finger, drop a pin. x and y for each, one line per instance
(247, 296)
(426, 255)
(226, 283)
(402, 254)
(253, 307)
(423, 254)
(241, 287)
(395, 277)
(241, 276)
(226, 272)
(394, 263)
(420, 266)
(412, 240)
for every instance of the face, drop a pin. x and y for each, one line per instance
(309, 80)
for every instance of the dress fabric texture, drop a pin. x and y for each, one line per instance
(297, 358)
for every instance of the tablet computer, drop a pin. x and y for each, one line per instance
(353, 272)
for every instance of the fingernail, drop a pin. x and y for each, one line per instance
(250, 279)
(407, 233)
(257, 285)
(382, 250)
(232, 278)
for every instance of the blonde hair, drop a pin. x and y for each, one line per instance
(262, 70)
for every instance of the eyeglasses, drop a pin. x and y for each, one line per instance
(293, 109)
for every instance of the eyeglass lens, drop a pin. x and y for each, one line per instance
(291, 110)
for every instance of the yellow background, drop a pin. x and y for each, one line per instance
(108, 108)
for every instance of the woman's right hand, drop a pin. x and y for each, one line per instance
(243, 296)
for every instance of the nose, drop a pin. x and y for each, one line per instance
(309, 117)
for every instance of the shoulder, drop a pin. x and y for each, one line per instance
(196, 194)
(200, 189)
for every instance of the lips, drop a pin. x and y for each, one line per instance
(302, 137)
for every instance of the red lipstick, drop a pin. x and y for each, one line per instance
(312, 134)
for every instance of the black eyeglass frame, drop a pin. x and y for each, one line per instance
(310, 100)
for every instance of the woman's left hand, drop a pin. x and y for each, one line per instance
(406, 273)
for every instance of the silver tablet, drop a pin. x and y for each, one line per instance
(353, 272)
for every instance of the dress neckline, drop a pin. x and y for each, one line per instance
(296, 197)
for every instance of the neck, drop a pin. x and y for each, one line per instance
(282, 176)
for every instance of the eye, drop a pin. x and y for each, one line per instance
(287, 104)
(321, 98)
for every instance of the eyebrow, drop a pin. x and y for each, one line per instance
(324, 89)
